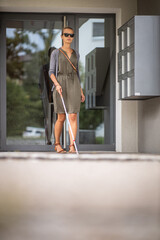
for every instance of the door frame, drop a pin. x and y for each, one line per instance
(73, 22)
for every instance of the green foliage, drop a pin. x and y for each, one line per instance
(82, 74)
(99, 140)
(22, 111)
(24, 106)
(90, 119)
(14, 48)
(17, 112)
(47, 38)
(35, 114)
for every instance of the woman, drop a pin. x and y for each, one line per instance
(65, 76)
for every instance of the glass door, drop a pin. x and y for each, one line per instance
(96, 42)
(29, 40)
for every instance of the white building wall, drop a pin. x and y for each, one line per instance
(149, 110)
(86, 47)
(126, 112)
(149, 126)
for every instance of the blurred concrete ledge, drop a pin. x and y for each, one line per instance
(96, 156)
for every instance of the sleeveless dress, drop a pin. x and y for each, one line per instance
(69, 81)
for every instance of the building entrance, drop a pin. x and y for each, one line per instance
(27, 118)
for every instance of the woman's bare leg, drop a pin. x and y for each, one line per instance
(73, 122)
(58, 129)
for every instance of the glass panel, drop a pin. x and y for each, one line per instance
(29, 100)
(96, 47)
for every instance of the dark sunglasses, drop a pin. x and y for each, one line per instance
(68, 34)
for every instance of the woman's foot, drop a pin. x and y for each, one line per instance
(72, 148)
(58, 148)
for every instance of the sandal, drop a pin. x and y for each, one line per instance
(72, 151)
(61, 151)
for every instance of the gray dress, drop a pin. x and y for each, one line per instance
(69, 81)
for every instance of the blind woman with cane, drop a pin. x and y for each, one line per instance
(64, 73)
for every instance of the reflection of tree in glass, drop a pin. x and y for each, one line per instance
(47, 37)
(17, 98)
(30, 82)
(17, 114)
(24, 61)
(89, 119)
(15, 48)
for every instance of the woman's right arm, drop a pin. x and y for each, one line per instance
(52, 72)
(56, 83)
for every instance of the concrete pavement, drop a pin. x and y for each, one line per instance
(98, 196)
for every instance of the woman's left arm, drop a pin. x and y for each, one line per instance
(82, 96)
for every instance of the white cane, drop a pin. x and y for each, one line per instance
(69, 124)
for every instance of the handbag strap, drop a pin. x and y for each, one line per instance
(68, 60)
